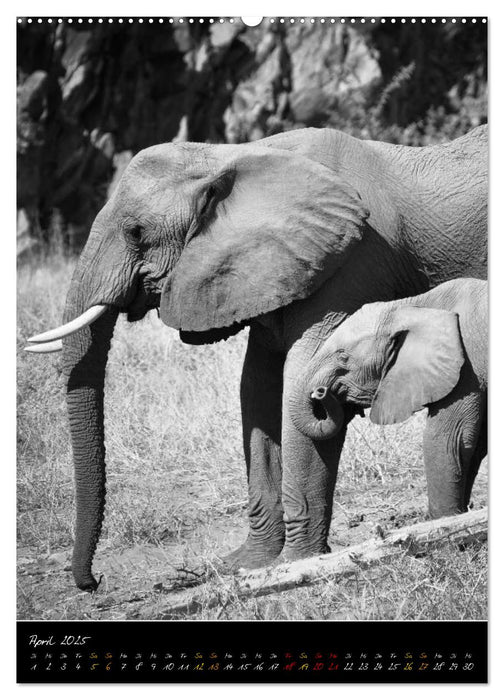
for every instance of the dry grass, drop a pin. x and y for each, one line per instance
(177, 487)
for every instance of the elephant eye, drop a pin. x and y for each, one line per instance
(342, 356)
(136, 232)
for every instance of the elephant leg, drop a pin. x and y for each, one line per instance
(309, 477)
(450, 445)
(261, 398)
(479, 453)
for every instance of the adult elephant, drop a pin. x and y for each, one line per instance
(288, 235)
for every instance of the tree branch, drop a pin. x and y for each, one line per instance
(413, 539)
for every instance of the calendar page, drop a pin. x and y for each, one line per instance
(252, 349)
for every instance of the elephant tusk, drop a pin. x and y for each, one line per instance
(54, 346)
(71, 327)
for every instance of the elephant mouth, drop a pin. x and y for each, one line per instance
(149, 297)
(145, 301)
(134, 315)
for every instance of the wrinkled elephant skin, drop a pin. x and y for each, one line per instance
(288, 235)
(398, 357)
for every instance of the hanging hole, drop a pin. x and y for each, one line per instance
(252, 21)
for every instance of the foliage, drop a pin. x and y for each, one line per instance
(438, 125)
(81, 119)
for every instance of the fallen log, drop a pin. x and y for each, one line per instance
(413, 540)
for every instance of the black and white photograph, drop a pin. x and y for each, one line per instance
(252, 330)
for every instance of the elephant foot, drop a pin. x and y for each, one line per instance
(85, 580)
(251, 556)
(440, 512)
(290, 553)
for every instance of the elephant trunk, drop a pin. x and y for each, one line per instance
(315, 412)
(84, 361)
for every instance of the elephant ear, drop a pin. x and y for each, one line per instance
(282, 224)
(423, 363)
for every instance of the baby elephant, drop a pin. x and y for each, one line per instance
(399, 357)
